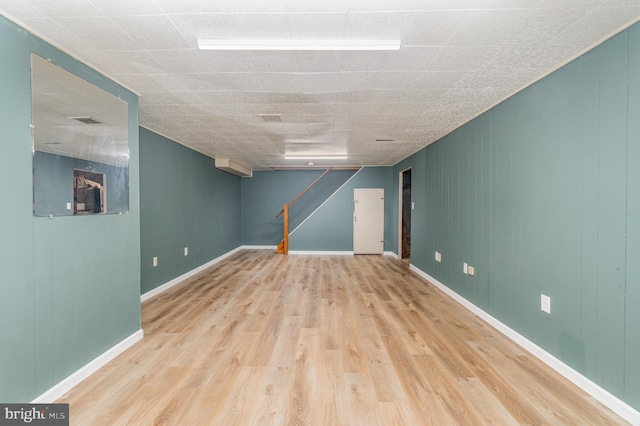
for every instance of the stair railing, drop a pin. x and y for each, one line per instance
(283, 247)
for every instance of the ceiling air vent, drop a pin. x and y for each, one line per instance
(86, 120)
(384, 140)
(271, 118)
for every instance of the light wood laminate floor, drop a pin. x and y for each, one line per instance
(268, 339)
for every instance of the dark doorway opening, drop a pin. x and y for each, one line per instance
(407, 205)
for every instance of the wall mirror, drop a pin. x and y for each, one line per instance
(80, 145)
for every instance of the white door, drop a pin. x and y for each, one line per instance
(368, 220)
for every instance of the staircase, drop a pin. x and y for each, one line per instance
(283, 247)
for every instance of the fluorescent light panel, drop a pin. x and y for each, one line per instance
(315, 157)
(210, 44)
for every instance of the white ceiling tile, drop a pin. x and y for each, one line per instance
(249, 26)
(368, 61)
(152, 32)
(434, 80)
(459, 57)
(319, 61)
(245, 61)
(188, 6)
(20, 8)
(412, 58)
(180, 61)
(376, 25)
(251, 6)
(432, 28)
(194, 26)
(506, 4)
(315, 26)
(489, 27)
(620, 3)
(67, 8)
(313, 6)
(596, 25)
(569, 3)
(542, 25)
(381, 80)
(127, 7)
(93, 29)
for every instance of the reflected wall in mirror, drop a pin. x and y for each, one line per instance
(80, 145)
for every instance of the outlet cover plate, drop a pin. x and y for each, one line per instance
(545, 303)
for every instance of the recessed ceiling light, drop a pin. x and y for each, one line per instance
(210, 44)
(315, 157)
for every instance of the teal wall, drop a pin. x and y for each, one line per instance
(541, 194)
(330, 228)
(53, 184)
(264, 195)
(185, 202)
(69, 285)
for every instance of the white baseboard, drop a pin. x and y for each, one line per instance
(605, 397)
(164, 287)
(333, 253)
(259, 247)
(74, 379)
(321, 253)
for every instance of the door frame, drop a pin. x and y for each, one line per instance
(400, 201)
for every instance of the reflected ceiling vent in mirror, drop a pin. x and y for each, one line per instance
(86, 120)
(304, 141)
(271, 118)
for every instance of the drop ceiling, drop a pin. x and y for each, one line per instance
(458, 58)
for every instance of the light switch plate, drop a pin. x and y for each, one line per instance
(465, 268)
(155, 261)
(68, 206)
(186, 251)
(438, 257)
(471, 270)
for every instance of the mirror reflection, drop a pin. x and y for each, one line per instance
(80, 145)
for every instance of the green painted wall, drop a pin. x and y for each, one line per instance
(185, 202)
(69, 285)
(264, 195)
(541, 194)
(330, 228)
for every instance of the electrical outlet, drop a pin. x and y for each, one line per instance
(465, 268)
(471, 270)
(155, 261)
(438, 257)
(413, 205)
(68, 206)
(186, 251)
(545, 303)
